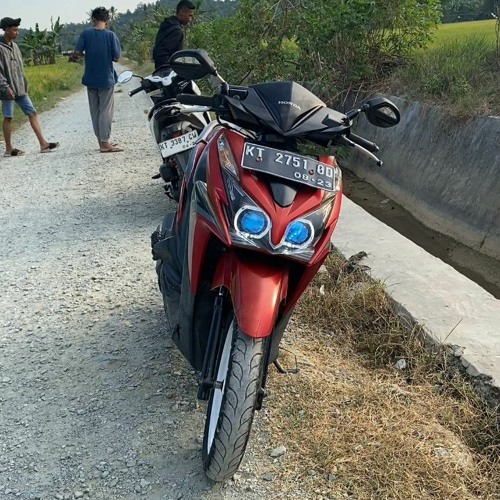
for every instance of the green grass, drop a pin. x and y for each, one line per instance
(457, 31)
(458, 69)
(49, 82)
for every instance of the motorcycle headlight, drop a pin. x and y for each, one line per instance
(299, 233)
(226, 157)
(252, 222)
(250, 226)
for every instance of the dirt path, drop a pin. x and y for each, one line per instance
(94, 400)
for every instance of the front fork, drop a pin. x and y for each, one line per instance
(208, 376)
(213, 350)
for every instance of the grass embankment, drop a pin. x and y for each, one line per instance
(459, 69)
(47, 84)
(357, 426)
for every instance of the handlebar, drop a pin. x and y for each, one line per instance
(360, 141)
(197, 100)
(349, 139)
(136, 91)
(346, 141)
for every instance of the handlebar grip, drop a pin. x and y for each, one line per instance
(197, 100)
(360, 141)
(136, 91)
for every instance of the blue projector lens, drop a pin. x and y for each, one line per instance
(252, 222)
(297, 233)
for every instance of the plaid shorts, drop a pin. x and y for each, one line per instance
(23, 102)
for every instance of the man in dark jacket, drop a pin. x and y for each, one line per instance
(170, 36)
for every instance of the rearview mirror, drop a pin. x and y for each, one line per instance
(381, 112)
(192, 64)
(125, 76)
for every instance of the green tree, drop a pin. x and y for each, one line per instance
(466, 10)
(329, 45)
(460, 10)
(42, 46)
(141, 35)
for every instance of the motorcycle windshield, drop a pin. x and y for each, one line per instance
(289, 109)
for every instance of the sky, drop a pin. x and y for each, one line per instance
(70, 11)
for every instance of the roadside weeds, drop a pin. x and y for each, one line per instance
(375, 411)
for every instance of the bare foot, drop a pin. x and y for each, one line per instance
(107, 144)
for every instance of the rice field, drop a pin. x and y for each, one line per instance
(458, 69)
(47, 81)
(451, 32)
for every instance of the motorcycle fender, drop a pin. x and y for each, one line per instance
(257, 290)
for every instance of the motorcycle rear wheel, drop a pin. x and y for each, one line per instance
(232, 403)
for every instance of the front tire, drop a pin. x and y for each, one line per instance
(232, 403)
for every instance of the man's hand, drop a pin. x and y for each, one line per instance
(75, 57)
(9, 95)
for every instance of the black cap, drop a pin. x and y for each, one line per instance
(7, 22)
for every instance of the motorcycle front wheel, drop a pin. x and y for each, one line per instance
(232, 403)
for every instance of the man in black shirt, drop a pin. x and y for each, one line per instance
(170, 35)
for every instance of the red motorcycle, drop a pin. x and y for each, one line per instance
(252, 227)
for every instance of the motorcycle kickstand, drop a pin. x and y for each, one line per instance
(285, 371)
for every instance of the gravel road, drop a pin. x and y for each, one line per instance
(95, 401)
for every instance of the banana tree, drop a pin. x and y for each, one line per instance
(42, 46)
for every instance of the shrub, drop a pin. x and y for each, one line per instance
(325, 44)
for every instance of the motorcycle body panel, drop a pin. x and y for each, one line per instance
(263, 284)
(257, 289)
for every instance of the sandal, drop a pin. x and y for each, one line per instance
(14, 152)
(113, 149)
(50, 147)
(113, 144)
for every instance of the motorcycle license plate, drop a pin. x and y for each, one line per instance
(289, 166)
(177, 144)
